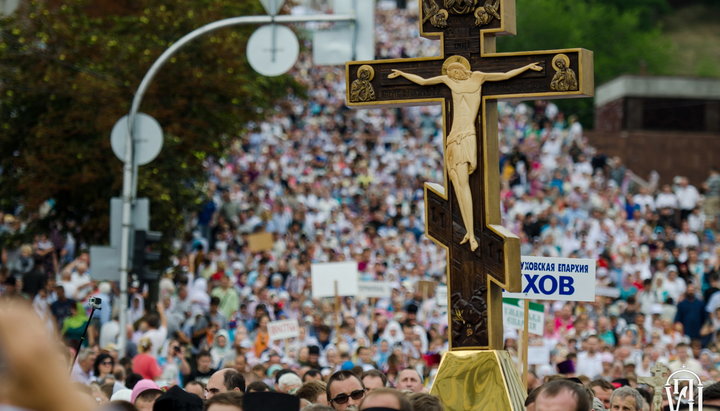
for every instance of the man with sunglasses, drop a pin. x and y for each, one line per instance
(345, 391)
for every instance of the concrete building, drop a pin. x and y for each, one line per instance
(667, 124)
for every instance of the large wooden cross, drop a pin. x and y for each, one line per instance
(463, 214)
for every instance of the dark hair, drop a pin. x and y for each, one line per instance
(203, 353)
(646, 394)
(604, 384)
(422, 401)
(532, 395)
(313, 372)
(132, 379)
(375, 374)
(403, 400)
(225, 398)
(310, 390)
(257, 386)
(120, 405)
(233, 379)
(149, 395)
(98, 360)
(555, 387)
(153, 320)
(195, 383)
(341, 376)
(215, 301)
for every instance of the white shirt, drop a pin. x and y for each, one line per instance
(688, 197)
(646, 201)
(589, 365)
(686, 240)
(666, 200)
(675, 288)
(157, 336)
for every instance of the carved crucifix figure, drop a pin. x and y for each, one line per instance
(460, 144)
(463, 214)
(660, 373)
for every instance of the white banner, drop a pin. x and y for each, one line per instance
(608, 292)
(374, 289)
(326, 275)
(280, 330)
(559, 279)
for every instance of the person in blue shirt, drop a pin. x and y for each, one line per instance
(691, 313)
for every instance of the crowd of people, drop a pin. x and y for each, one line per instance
(332, 184)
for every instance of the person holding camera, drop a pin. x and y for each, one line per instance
(174, 364)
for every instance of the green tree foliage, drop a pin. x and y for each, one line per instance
(68, 73)
(614, 31)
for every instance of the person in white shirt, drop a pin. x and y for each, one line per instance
(688, 197)
(686, 238)
(157, 330)
(666, 198)
(674, 285)
(589, 362)
(685, 361)
(644, 200)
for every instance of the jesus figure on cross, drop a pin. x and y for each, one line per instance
(461, 142)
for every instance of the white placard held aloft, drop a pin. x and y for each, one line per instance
(283, 329)
(325, 275)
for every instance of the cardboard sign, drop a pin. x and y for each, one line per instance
(514, 315)
(260, 242)
(325, 275)
(558, 279)
(280, 330)
(426, 288)
(374, 289)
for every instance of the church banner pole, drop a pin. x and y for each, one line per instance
(525, 338)
(337, 313)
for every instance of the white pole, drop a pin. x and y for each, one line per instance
(129, 170)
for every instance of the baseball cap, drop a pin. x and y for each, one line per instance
(141, 387)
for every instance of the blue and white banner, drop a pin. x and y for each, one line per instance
(550, 278)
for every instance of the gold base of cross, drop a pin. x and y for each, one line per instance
(479, 380)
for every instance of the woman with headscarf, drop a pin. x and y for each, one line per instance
(393, 333)
(198, 294)
(137, 308)
(221, 349)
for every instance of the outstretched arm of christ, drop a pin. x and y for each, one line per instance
(512, 73)
(417, 79)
